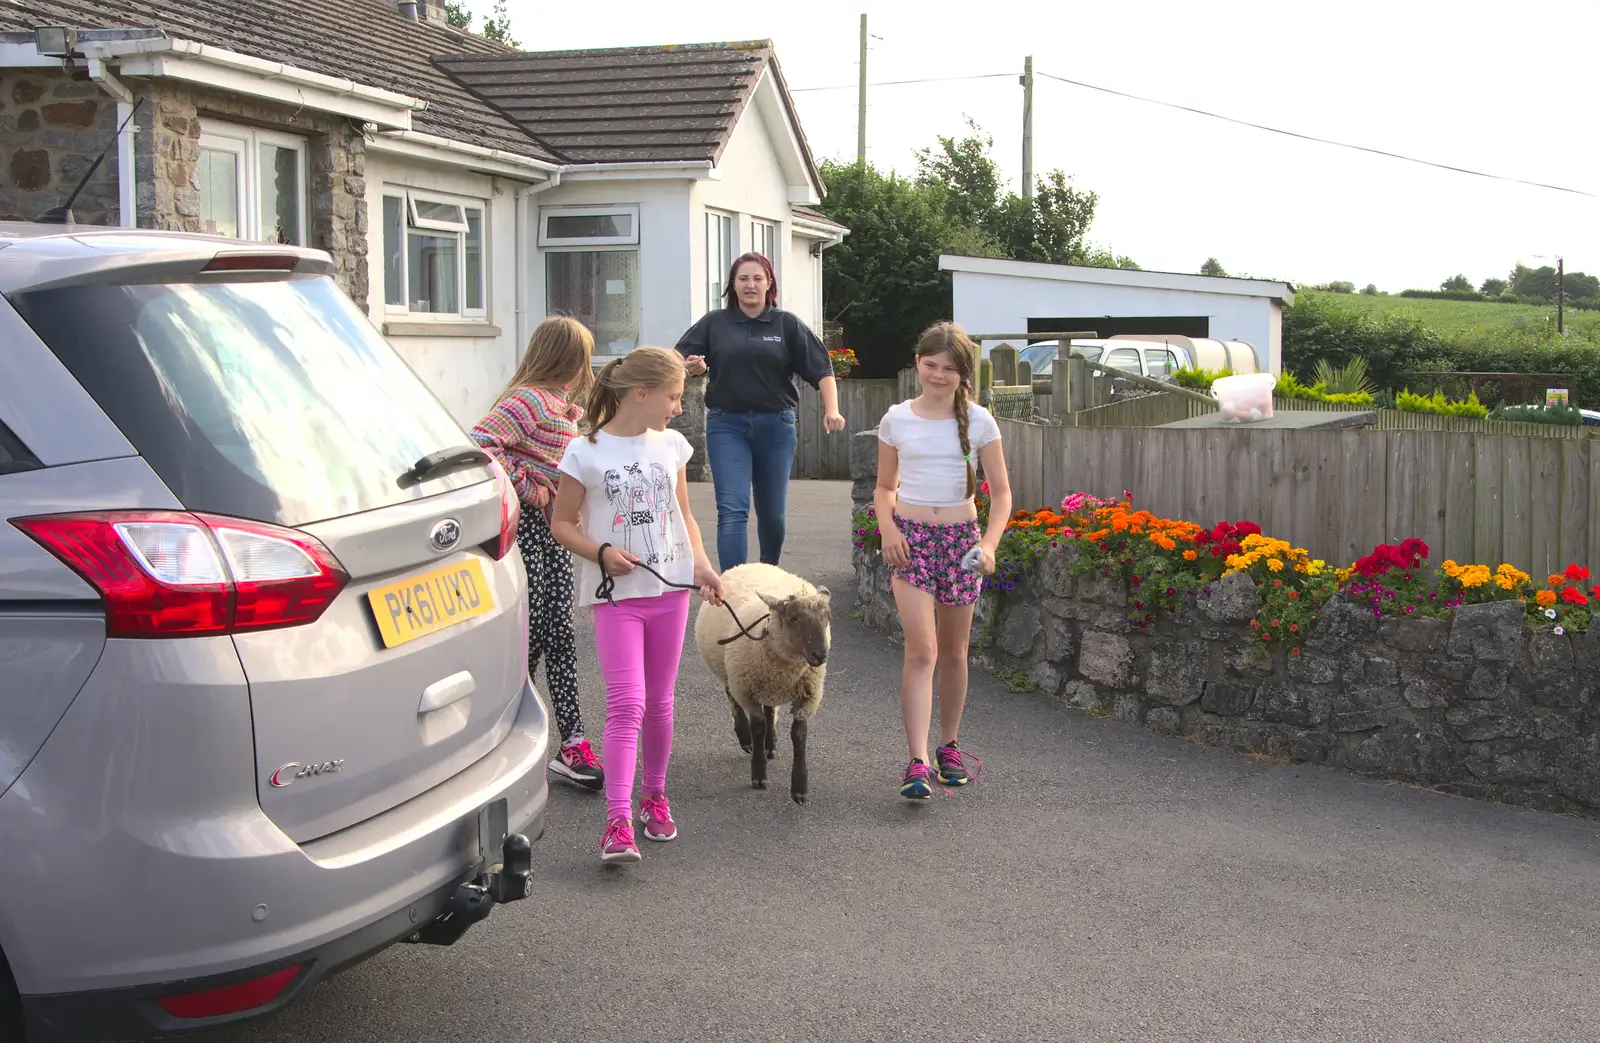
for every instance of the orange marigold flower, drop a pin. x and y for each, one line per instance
(1294, 628)
(1556, 580)
(1189, 555)
(1545, 598)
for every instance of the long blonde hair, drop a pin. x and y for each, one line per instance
(948, 338)
(557, 359)
(643, 367)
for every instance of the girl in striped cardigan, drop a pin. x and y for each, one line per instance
(527, 432)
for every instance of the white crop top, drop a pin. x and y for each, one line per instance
(932, 471)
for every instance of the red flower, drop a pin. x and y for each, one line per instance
(1576, 573)
(984, 488)
(1574, 596)
(1294, 651)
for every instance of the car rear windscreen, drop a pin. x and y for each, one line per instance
(272, 400)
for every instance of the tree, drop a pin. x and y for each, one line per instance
(1213, 267)
(1458, 283)
(1492, 287)
(1371, 289)
(496, 27)
(1539, 283)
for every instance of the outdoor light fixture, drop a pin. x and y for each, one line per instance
(55, 41)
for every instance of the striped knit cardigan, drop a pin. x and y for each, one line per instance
(528, 431)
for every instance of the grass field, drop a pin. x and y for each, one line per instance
(1450, 319)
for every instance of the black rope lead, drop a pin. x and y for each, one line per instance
(608, 584)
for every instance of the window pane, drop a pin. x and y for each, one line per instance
(1124, 358)
(588, 226)
(219, 192)
(201, 379)
(431, 211)
(474, 259)
(435, 269)
(393, 247)
(280, 195)
(599, 288)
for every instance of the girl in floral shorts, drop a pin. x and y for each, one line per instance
(928, 520)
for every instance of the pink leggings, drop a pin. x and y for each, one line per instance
(639, 641)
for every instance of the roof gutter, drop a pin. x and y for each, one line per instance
(834, 234)
(673, 169)
(498, 162)
(220, 69)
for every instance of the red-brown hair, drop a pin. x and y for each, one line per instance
(766, 266)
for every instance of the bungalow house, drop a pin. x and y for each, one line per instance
(466, 190)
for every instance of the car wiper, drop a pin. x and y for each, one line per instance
(443, 462)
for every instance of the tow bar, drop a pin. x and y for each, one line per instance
(508, 880)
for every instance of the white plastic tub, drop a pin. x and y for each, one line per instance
(1244, 398)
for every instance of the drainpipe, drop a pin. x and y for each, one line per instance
(524, 197)
(127, 198)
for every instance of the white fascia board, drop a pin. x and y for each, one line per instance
(25, 56)
(431, 148)
(1114, 277)
(814, 230)
(667, 170)
(791, 154)
(253, 77)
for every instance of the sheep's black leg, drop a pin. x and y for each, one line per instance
(741, 724)
(772, 732)
(758, 753)
(800, 779)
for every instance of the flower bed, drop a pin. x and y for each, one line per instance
(1469, 677)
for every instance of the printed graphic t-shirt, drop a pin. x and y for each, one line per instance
(631, 502)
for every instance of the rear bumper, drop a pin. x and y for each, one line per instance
(168, 890)
(133, 1013)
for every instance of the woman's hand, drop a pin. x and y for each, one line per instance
(833, 422)
(615, 561)
(695, 364)
(896, 551)
(706, 578)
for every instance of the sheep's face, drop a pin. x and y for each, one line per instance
(799, 626)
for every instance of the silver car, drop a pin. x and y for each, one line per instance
(264, 699)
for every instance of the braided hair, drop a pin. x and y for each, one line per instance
(948, 338)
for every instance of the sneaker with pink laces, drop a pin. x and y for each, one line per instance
(617, 845)
(577, 762)
(656, 817)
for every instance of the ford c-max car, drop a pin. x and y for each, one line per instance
(264, 699)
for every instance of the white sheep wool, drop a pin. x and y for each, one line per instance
(631, 502)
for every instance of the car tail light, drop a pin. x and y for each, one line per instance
(172, 574)
(252, 262)
(231, 999)
(510, 512)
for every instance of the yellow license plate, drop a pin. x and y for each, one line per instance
(426, 604)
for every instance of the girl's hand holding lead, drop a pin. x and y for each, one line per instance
(710, 584)
(617, 562)
(986, 564)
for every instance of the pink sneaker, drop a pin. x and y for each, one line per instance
(617, 844)
(578, 763)
(656, 817)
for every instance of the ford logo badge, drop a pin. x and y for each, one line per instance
(445, 534)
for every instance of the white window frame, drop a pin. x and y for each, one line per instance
(577, 242)
(717, 268)
(245, 144)
(409, 197)
(774, 253)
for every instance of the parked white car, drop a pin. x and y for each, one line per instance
(1152, 356)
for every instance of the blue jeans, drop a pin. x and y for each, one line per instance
(750, 451)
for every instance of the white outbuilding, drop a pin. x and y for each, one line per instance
(992, 295)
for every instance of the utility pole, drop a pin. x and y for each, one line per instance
(1561, 290)
(1027, 127)
(861, 104)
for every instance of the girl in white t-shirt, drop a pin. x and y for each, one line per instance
(928, 520)
(623, 503)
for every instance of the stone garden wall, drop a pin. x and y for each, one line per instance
(1478, 705)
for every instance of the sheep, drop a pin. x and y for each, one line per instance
(785, 668)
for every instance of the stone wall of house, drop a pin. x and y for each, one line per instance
(1479, 705)
(692, 422)
(168, 154)
(52, 126)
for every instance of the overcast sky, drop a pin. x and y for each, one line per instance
(1506, 89)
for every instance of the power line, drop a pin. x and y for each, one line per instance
(898, 83)
(1323, 141)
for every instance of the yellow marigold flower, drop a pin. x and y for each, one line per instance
(1274, 564)
(1449, 563)
(1545, 598)
(1342, 575)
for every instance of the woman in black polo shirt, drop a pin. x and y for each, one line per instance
(754, 350)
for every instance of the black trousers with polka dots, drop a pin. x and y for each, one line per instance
(550, 634)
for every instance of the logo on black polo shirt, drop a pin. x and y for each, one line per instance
(773, 340)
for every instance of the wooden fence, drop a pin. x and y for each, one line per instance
(1482, 498)
(819, 454)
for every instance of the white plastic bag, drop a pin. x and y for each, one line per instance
(1244, 398)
